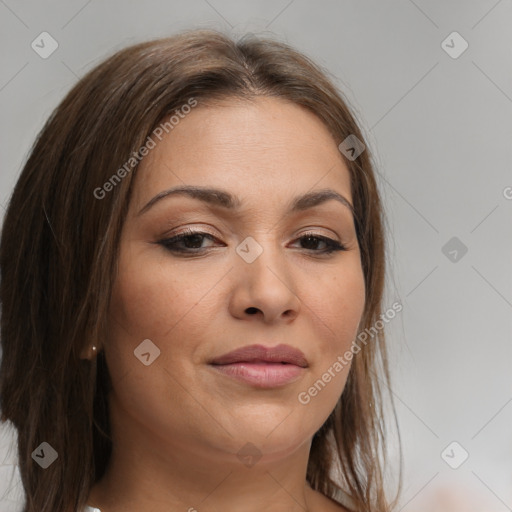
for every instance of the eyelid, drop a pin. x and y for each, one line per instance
(332, 244)
(188, 230)
(312, 231)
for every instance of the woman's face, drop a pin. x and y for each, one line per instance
(252, 277)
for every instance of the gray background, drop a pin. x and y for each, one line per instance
(440, 129)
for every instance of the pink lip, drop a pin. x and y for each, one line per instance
(263, 367)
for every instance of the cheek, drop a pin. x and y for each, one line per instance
(335, 306)
(165, 303)
(337, 303)
(151, 299)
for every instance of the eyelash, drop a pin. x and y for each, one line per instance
(171, 243)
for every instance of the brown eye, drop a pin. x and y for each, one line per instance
(187, 242)
(312, 239)
(191, 242)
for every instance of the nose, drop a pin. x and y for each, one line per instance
(265, 285)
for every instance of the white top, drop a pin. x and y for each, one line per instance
(344, 499)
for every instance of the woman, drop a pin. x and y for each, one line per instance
(147, 371)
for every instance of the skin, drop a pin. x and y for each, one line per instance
(178, 424)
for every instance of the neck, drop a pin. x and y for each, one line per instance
(148, 473)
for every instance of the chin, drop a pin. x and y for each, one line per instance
(272, 438)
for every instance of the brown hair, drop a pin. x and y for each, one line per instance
(59, 248)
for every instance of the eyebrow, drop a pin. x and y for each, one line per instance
(224, 199)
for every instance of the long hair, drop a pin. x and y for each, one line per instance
(59, 251)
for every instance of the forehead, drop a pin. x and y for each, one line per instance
(262, 148)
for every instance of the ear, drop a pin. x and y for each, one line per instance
(89, 352)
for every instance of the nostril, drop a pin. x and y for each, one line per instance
(251, 311)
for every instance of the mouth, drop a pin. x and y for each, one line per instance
(262, 367)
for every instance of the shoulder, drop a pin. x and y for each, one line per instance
(320, 503)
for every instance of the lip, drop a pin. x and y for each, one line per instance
(262, 367)
(260, 353)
